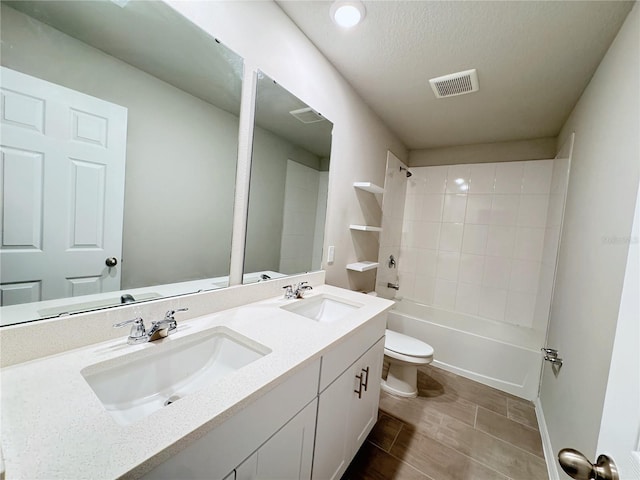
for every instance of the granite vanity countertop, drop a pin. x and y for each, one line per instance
(54, 426)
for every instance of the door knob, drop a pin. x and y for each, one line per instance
(576, 465)
(111, 262)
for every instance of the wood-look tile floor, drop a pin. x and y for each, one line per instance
(456, 429)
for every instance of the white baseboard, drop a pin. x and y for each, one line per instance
(549, 454)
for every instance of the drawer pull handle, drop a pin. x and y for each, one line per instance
(359, 391)
(366, 381)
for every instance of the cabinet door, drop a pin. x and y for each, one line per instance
(364, 408)
(345, 417)
(288, 454)
(333, 453)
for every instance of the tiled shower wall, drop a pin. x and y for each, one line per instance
(473, 238)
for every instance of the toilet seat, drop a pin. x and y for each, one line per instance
(406, 348)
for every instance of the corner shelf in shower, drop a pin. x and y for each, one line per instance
(365, 228)
(362, 266)
(368, 187)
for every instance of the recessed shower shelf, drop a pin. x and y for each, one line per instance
(365, 228)
(368, 187)
(362, 266)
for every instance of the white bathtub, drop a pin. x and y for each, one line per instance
(503, 356)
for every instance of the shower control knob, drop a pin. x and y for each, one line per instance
(111, 262)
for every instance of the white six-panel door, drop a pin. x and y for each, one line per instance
(62, 179)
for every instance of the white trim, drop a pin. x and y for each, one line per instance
(549, 455)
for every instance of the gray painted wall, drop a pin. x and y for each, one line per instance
(601, 197)
(535, 149)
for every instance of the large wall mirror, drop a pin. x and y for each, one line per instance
(87, 85)
(288, 186)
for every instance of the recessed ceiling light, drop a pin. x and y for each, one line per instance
(347, 14)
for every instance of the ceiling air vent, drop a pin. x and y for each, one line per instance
(307, 115)
(455, 84)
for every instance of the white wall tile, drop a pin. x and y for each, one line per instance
(445, 294)
(493, 302)
(532, 211)
(482, 178)
(451, 237)
(471, 269)
(504, 209)
(529, 243)
(509, 177)
(448, 263)
(408, 259)
(454, 208)
(407, 283)
(432, 208)
(520, 308)
(413, 207)
(537, 177)
(524, 276)
(426, 235)
(478, 245)
(458, 179)
(496, 272)
(478, 209)
(436, 179)
(468, 298)
(475, 239)
(501, 241)
(427, 262)
(424, 289)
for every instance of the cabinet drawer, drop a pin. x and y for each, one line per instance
(336, 361)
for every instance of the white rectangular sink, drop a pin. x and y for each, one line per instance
(322, 308)
(134, 386)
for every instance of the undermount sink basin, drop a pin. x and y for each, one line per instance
(136, 385)
(322, 308)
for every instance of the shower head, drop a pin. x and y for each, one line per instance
(406, 170)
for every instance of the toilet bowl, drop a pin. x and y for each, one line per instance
(404, 354)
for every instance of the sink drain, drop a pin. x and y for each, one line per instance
(171, 399)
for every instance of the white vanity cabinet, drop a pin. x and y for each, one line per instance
(310, 426)
(273, 418)
(286, 455)
(347, 411)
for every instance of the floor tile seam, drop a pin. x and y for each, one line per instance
(474, 460)
(511, 419)
(535, 429)
(402, 425)
(435, 439)
(404, 462)
(512, 445)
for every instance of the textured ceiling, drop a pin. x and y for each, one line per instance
(534, 59)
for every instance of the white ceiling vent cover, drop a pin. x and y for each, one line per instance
(307, 115)
(455, 84)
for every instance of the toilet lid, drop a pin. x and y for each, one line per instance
(406, 345)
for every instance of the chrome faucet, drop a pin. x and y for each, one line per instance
(296, 290)
(159, 329)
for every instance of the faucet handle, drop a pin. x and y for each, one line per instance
(170, 313)
(137, 327)
(288, 291)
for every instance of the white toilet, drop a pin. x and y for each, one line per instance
(405, 354)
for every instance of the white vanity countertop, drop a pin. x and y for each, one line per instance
(54, 426)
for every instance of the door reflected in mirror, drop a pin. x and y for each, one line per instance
(119, 140)
(288, 186)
